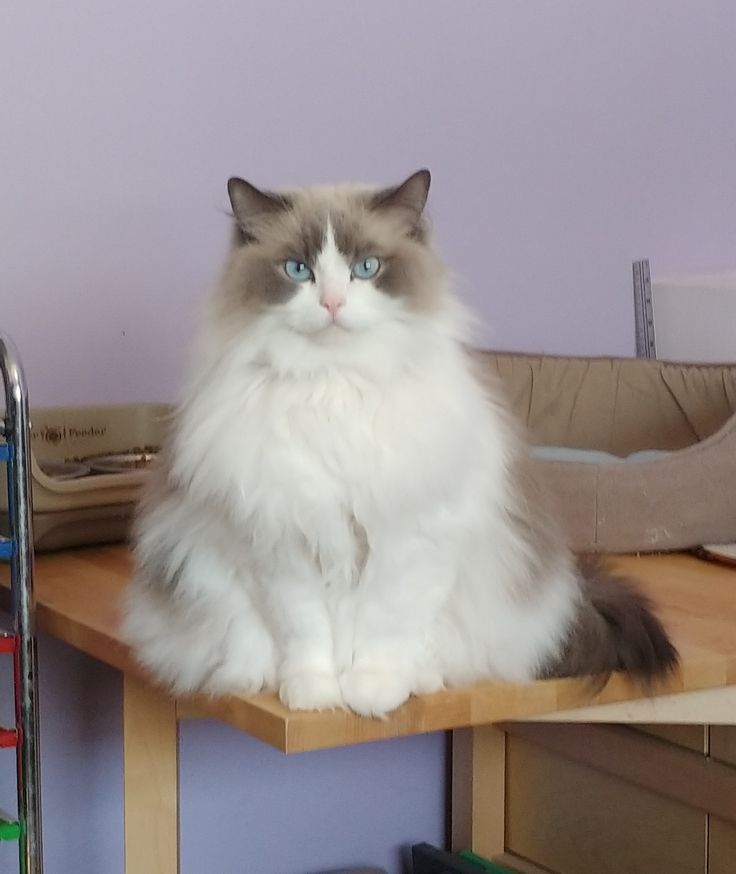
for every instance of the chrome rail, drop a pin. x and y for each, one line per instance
(17, 436)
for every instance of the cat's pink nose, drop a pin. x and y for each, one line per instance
(332, 303)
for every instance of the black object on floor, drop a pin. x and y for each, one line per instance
(429, 860)
(356, 871)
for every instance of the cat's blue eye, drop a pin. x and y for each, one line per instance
(298, 271)
(366, 268)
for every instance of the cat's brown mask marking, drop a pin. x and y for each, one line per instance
(273, 227)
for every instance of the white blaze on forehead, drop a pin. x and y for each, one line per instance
(331, 271)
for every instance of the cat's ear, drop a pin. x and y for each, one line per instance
(250, 204)
(407, 199)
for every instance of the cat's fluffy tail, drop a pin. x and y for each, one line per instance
(615, 630)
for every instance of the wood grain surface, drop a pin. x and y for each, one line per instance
(78, 596)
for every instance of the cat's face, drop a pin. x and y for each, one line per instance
(332, 263)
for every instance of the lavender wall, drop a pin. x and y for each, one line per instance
(566, 139)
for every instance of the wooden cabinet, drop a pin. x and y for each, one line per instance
(692, 737)
(723, 745)
(664, 800)
(721, 847)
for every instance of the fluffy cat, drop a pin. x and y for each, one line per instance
(341, 513)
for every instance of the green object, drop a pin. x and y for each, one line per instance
(485, 864)
(9, 830)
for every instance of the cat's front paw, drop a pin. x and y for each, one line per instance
(374, 691)
(311, 691)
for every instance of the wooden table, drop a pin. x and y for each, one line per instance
(78, 596)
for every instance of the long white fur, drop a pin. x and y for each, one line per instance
(339, 530)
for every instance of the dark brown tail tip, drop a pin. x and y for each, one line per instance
(616, 630)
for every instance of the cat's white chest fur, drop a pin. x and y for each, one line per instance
(311, 456)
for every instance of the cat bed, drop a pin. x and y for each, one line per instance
(638, 455)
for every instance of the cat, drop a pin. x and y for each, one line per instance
(342, 513)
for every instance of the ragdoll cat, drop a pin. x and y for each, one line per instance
(342, 513)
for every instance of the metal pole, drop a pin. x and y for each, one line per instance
(20, 511)
(646, 346)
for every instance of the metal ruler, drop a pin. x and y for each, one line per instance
(643, 311)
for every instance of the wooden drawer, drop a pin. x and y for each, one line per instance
(573, 819)
(693, 737)
(723, 745)
(721, 847)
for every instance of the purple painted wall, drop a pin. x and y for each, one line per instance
(245, 807)
(566, 140)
